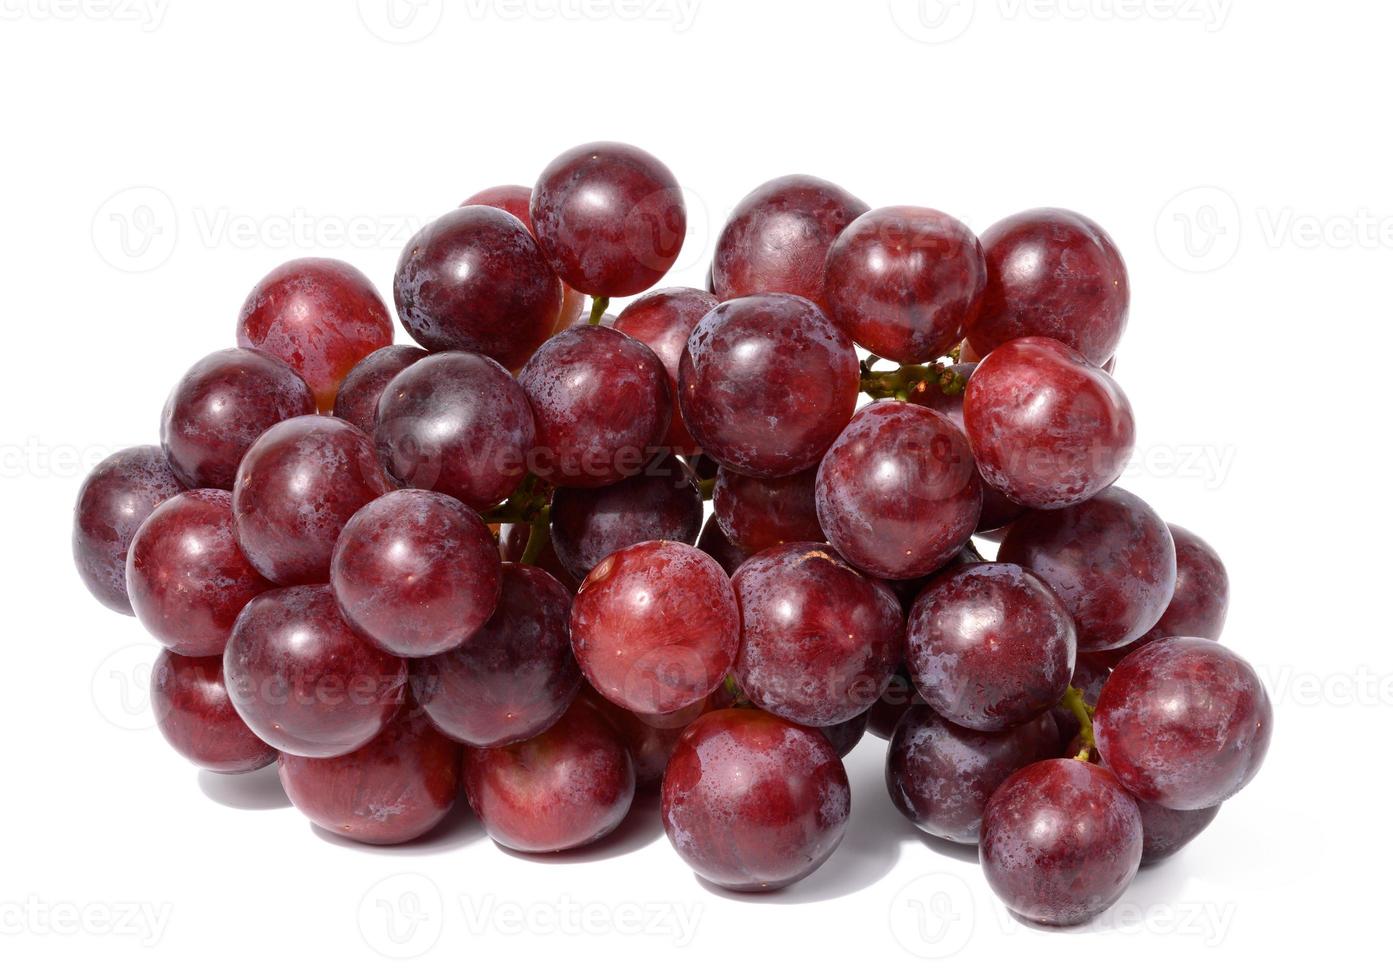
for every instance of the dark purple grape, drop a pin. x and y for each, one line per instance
(1061, 841)
(512, 545)
(515, 677)
(1089, 677)
(609, 217)
(356, 401)
(1163, 832)
(117, 496)
(940, 775)
(846, 735)
(759, 513)
(898, 493)
(1184, 723)
(767, 383)
(417, 572)
(990, 647)
(898, 698)
(1110, 559)
(220, 406)
(296, 488)
(664, 321)
(458, 424)
(197, 718)
(714, 542)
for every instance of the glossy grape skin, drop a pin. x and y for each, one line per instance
(394, 789)
(565, 788)
(714, 542)
(357, 398)
(655, 626)
(1184, 723)
(601, 403)
(752, 802)
(898, 493)
(220, 406)
(303, 680)
(1048, 429)
(610, 218)
(298, 485)
(941, 775)
(320, 316)
(513, 678)
(475, 280)
(1201, 600)
(1089, 677)
(587, 526)
(846, 735)
(1110, 559)
(819, 641)
(416, 572)
(1052, 273)
(756, 514)
(459, 424)
(664, 320)
(905, 282)
(197, 718)
(776, 239)
(186, 577)
(1166, 831)
(1061, 841)
(767, 383)
(113, 502)
(990, 646)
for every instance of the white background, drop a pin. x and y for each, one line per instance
(1239, 153)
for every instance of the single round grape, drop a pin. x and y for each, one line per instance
(664, 320)
(846, 735)
(303, 681)
(714, 542)
(1089, 677)
(320, 316)
(196, 716)
(562, 789)
(186, 577)
(1052, 273)
(298, 485)
(394, 789)
(589, 525)
(1184, 723)
(655, 626)
(356, 402)
(513, 678)
(1110, 559)
(475, 280)
(610, 218)
(220, 406)
(941, 775)
(898, 493)
(117, 496)
(602, 406)
(776, 239)
(1061, 841)
(898, 698)
(416, 572)
(767, 383)
(759, 513)
(1048, 429)
(990, 646)
(752, 802)
(458, 424)
(819, 641)
(905, 282)
(1163, 832)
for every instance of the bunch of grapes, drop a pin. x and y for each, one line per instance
(480, 564)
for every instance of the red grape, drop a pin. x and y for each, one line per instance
(220, 406)
(766, 383)
(512, 545)
(905, 282)
(114, 501)
(752, 802)
(356, 402)
(320, 316)
(197, 718)
(714, 542)
(186, 576)
(664, 321)
(303, 681)
(846, 735)
(609, 217)
(898, 698)
(655, 626)
(759, 513)
(1052, 273)
(1166, 831)
(650, 739)
(898, 493)
(417, 572)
